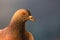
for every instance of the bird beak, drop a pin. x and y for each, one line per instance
(31, 18)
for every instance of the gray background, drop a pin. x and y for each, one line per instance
(46, 12)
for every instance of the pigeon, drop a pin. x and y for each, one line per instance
(16, 28)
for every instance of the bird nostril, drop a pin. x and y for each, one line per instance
(31, 18)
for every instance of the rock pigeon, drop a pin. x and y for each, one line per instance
(16, 28)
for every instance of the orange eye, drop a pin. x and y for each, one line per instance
(23, 13)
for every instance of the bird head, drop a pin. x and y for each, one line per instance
(26, 15)
(23, 15)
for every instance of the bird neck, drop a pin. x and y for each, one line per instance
(16, 27)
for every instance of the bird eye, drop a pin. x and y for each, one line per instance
(23, 13)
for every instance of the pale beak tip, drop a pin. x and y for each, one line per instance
(31, 18)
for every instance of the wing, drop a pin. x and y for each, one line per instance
(30, 36)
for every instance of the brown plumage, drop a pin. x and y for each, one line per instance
(16, 28)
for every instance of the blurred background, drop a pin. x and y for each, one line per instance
(46, 12)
